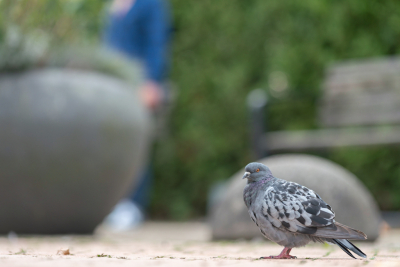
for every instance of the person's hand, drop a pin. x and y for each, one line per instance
(151, 94)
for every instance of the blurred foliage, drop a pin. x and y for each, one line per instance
(221, 51)
(64, 20)
(224, 49)
(23, 46)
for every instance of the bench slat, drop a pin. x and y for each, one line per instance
(363, 92)
(328, 138)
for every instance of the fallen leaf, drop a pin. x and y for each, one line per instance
(63, 252)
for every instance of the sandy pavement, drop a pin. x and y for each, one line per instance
(180, 244)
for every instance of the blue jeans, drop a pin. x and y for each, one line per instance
(141, 194)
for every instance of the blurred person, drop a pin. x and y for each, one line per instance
(140, 29)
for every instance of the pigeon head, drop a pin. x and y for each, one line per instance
(256, 171)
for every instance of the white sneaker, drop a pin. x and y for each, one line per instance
(125, 216)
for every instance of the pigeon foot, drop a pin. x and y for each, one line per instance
(283, 255)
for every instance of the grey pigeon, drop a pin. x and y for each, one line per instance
(293, 215)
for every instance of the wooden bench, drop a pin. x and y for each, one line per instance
(360, 106)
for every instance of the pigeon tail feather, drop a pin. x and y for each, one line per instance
(345, 245)
(343, 248)
(341, 231)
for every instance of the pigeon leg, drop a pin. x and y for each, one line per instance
(284, 255)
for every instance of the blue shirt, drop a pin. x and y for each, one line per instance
(143, 33)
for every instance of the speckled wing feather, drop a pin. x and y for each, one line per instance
(295, 208)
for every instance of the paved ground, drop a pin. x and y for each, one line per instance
(180, 244)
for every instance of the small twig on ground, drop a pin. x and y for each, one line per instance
(102, 255)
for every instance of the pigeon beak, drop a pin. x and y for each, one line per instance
(246, 175)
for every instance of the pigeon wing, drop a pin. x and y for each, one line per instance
(295, 208)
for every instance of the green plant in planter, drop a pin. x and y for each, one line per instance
(34, 50)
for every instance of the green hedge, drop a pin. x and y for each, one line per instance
(223, 49)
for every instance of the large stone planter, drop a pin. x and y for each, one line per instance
(351, 201)
(71, 145)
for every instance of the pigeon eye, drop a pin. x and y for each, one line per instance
(257, 170)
